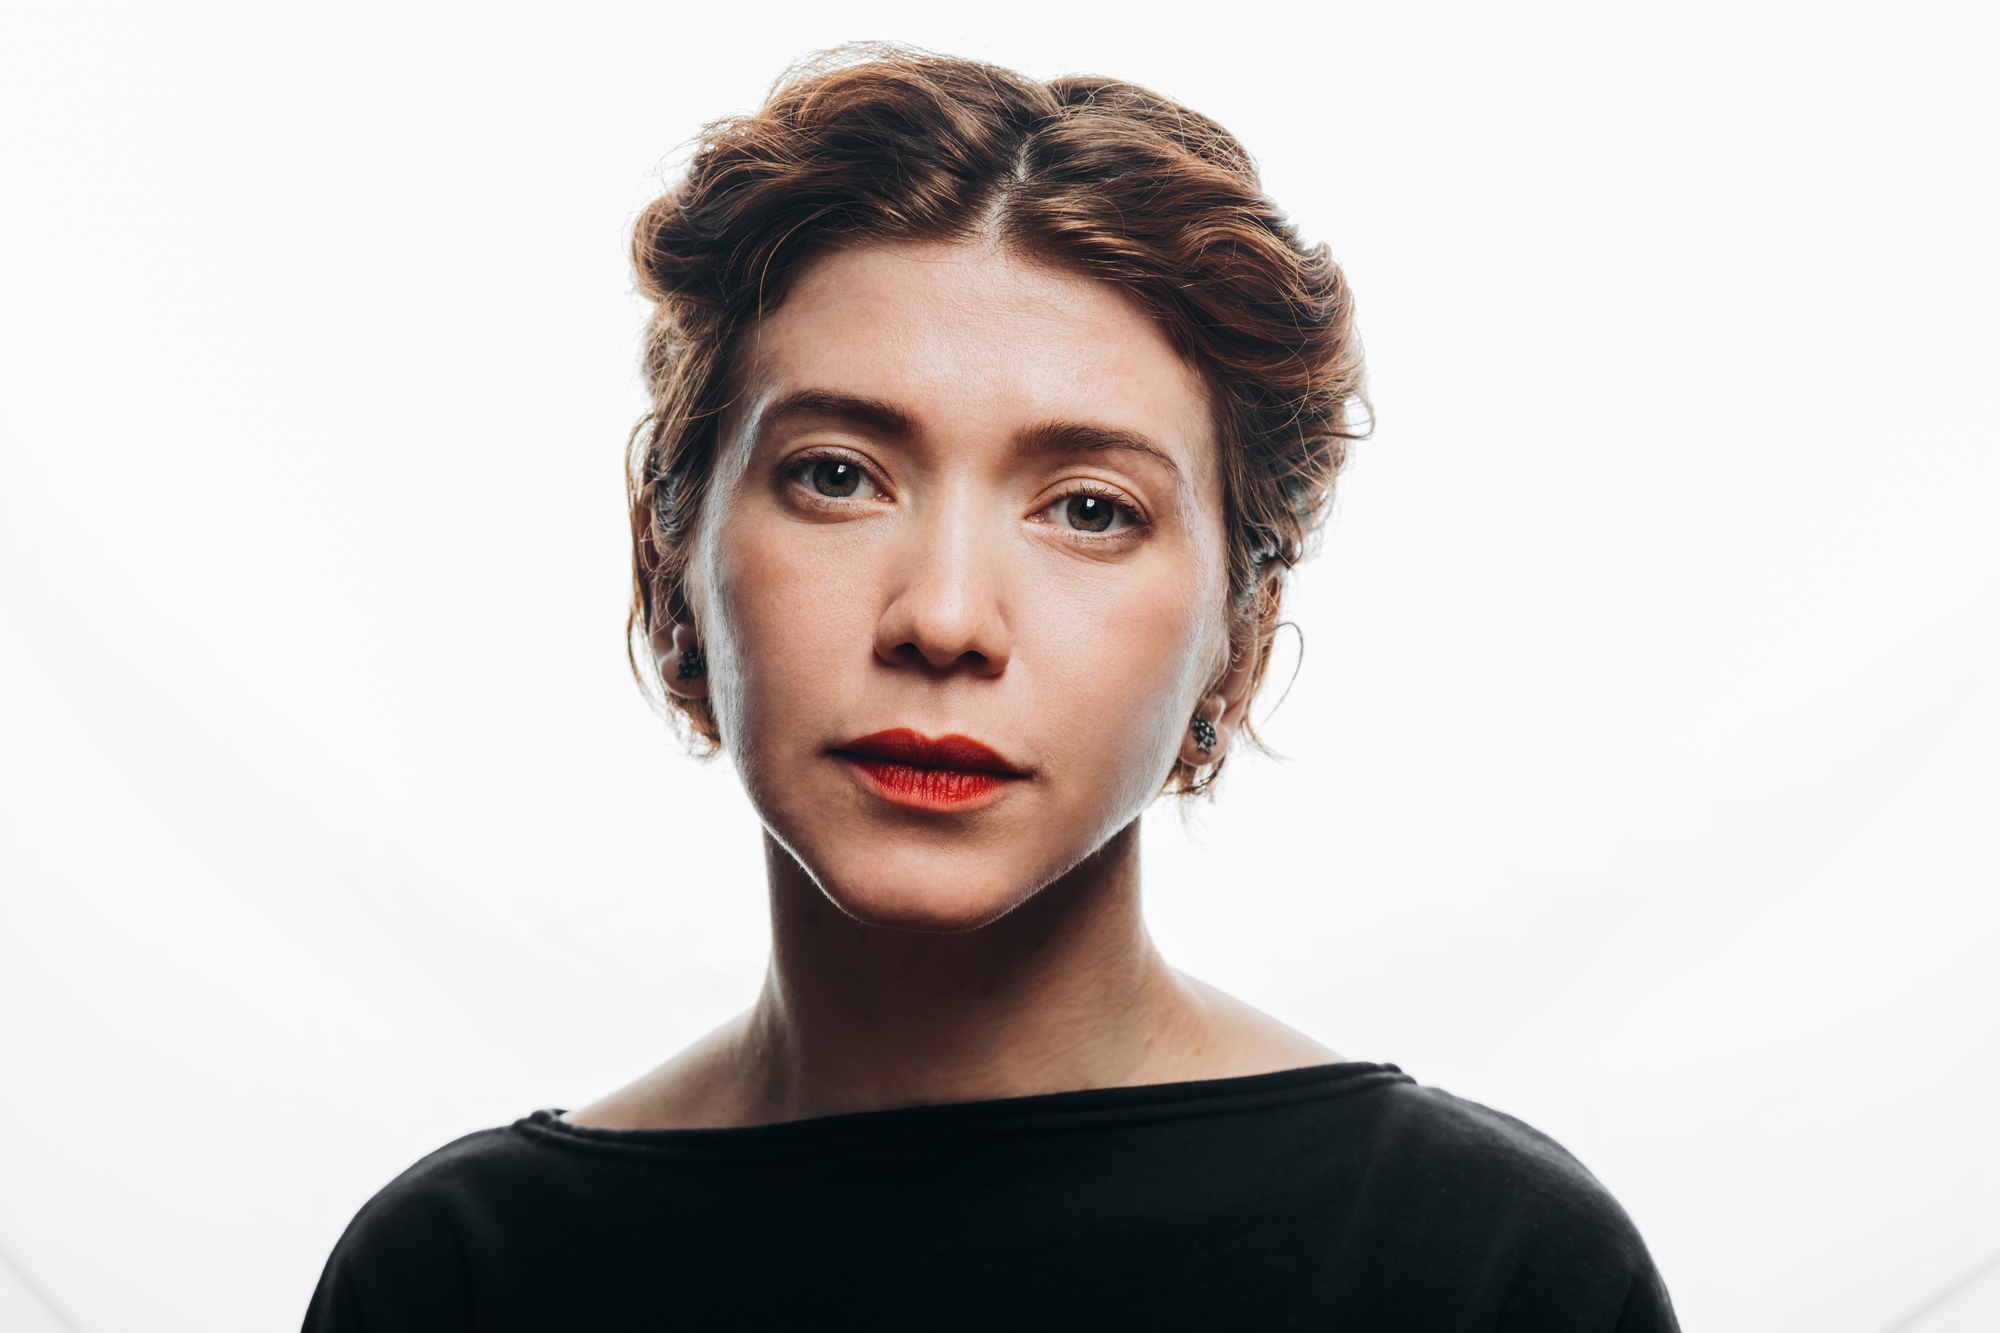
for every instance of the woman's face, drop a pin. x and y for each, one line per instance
(961, 578)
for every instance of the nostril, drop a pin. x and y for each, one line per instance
(914, 655)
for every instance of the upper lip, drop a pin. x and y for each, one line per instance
(903, 746)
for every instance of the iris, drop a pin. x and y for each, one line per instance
(1090, 513)
(830, 476)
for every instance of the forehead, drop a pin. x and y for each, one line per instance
(975, 340)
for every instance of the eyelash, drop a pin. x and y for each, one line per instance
(1098, 490)
(800, 466)
(799, 470)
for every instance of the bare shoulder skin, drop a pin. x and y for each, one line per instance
(960, 589)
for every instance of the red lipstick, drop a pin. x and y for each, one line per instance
(929, 773)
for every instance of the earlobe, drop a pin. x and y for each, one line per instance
(1219, 715)
(682, 664)
(1205, 740)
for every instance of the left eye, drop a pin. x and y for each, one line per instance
(1085, 512)
(831, 476)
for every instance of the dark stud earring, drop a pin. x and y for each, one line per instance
(1204, 734)
(693, 663)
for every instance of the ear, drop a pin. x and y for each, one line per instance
(1228, 700)
(673, 635)
(671, 645)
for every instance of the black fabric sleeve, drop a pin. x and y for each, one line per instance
(402, 1266)
(1647, 1308)
(1593, 1276)
(1566, 1255)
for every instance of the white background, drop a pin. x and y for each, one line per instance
(1642, 773)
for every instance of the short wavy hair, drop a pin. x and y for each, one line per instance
(880, 144)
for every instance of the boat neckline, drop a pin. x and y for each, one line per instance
(1078, 1108)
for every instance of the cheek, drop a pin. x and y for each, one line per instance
(785, 619)
(1123, 662)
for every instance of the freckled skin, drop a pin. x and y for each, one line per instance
(995, 948)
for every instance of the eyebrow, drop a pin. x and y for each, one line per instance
(1079, 437)
(1050, 437)
(873, 413)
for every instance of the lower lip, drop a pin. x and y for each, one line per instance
(928, 788)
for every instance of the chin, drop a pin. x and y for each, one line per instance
(923, 899)
(930, 871)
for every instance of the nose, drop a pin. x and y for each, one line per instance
(945, 613)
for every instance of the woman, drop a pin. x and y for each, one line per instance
(989, 418)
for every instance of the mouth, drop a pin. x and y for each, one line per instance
(928, 773)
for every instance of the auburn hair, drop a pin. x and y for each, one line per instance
(881, 144)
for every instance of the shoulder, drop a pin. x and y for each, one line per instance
(405, 1260)
(1453, 1141)
(1495, 1192)
(701, 1087)
(464, 1174)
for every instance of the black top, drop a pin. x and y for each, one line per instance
(1338, 1197)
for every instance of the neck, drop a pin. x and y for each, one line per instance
(1067, 991)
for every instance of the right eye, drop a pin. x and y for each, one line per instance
(833, 477)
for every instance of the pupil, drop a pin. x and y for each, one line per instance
(1089, 513)
(831, 477)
